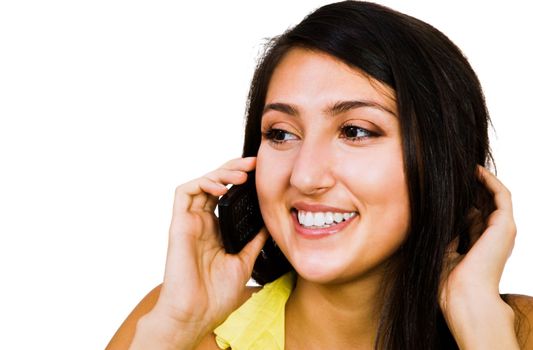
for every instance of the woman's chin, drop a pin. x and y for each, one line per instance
(318, 270)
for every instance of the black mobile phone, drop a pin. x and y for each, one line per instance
(239, 216)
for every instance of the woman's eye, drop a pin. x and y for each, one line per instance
(278, 135)
(356, 133)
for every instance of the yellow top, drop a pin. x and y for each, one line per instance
(260, 322)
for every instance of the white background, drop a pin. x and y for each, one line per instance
(107, 106)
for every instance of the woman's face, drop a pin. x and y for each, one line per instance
(331, 158)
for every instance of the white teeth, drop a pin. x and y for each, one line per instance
(320, 219)
(329, 218)
(301, 216)
(308, 220)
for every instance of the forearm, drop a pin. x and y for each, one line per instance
(483, 324)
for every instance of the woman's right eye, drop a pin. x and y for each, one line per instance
(278, 136)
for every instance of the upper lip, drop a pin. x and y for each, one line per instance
(312, 207)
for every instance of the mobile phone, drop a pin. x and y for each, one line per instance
(239, 216)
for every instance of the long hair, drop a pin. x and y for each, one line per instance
(444, 127)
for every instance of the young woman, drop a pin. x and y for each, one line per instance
(367, 132)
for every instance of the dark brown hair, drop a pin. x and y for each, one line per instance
(444, 125)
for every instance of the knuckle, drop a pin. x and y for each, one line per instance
(513, 228)
(506, 191)
(230, 162)
(211, 176)
(178, 191)
(509, 193)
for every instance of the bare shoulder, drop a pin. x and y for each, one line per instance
(522, 306)
(124, 335)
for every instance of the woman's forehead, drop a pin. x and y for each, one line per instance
(306, 76)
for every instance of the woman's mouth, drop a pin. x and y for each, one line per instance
(315, 225)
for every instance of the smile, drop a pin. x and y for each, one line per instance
(315, 225)
(321, 220)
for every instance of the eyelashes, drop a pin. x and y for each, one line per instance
(356, 133)
(352, 133)
(277, 135)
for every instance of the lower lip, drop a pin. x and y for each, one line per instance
(319, 232)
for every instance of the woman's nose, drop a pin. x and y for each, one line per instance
(312, 170)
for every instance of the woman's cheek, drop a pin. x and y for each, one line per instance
(273, 169)
(265, 178)
(376, 180)
(272, 180)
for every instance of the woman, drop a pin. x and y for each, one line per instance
(367, 131)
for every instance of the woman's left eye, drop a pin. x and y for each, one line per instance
(356, 133)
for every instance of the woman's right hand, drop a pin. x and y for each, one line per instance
(202, 284)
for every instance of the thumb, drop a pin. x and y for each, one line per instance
(249, 253)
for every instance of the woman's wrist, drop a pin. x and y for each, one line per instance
(482, 322)
(155, 332)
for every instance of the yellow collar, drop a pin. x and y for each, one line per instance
(260, 322)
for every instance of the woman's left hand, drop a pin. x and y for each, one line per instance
(469, 291)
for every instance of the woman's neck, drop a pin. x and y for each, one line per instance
(335, 316)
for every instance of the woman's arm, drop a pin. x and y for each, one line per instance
(469, 297)
(484, 323)
(202, 283)
(124, 335)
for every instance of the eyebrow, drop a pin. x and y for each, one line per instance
(337, 108)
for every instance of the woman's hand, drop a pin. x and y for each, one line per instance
(202, 283)
(469, 292)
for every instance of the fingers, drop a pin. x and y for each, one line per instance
(481, 268)
(495, 244)
(201, 192)
(244, 164)
(502, 196)
(218, 180)
(240, 167)
(249, 253)
(502, 217)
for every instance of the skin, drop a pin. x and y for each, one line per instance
(318, 164)
(216, 281)
(336, 299)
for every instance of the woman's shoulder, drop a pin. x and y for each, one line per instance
(522, 306)
(124, 335)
